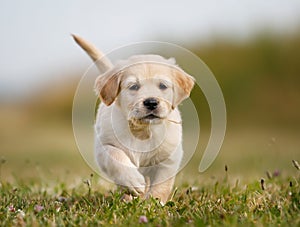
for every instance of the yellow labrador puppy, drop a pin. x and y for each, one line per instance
(138, 131)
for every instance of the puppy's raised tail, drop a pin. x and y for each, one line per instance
(102, 63)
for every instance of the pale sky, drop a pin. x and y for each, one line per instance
(36, 48)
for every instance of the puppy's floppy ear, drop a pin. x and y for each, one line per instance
(183, 85)
(107, 87)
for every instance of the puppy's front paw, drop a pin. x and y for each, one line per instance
(133, 180)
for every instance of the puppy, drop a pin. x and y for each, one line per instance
(138, 131)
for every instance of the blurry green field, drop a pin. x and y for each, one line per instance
(248, 155)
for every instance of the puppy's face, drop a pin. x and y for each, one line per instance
(146, 92)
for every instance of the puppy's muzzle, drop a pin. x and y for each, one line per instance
(151, 103)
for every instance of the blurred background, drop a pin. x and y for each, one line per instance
(252, 47)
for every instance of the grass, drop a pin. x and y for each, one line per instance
(270, 202)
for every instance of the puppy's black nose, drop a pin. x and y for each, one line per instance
(151, 103)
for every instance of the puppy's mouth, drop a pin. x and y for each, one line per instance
(150, 117)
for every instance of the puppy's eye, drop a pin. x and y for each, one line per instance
(134, 87)
(162, 86)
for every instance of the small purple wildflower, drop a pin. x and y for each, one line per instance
(11, 208)
(38, 208)
(143, 219)
(276, 173)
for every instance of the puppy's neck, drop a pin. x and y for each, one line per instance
(139, 129)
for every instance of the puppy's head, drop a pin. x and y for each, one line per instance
(146, 88)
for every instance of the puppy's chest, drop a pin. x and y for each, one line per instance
(152, 157)
(163, 143)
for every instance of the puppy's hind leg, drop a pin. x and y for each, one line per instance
(162, 190)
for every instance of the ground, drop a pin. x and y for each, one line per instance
(270, 201)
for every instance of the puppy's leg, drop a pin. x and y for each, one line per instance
(118, 167)
(162, 176)
(162, 190)
(161, 180)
